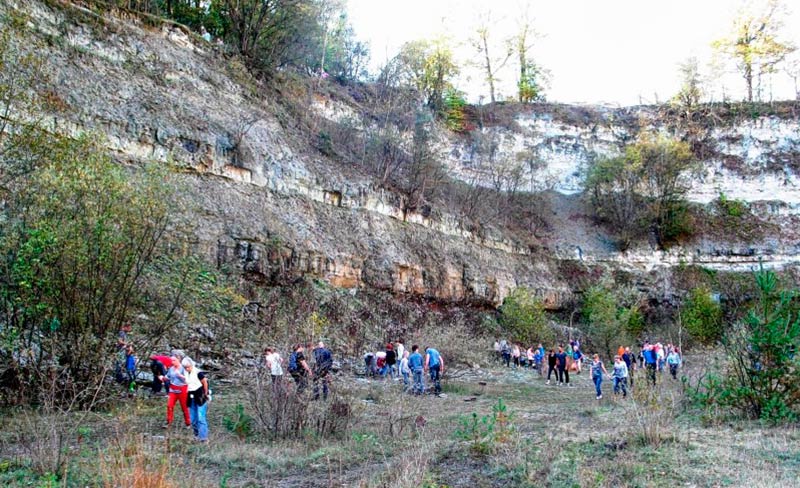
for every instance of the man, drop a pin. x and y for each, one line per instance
(551, 365)
(561, 365)
(505, 351)
(401, 349)
(298, 368)
(323, 362)
(630, 363)
(416, 367)
(391, 360)
(434, 364)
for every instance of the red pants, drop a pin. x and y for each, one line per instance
(180, 396)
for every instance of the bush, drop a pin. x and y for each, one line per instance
(702, 315)
(760, 375)
(486, 432)
(609, 323)
(524, 319)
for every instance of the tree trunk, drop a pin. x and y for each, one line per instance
(748, 78)
(489, 74)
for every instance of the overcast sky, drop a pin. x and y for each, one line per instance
(597, 51)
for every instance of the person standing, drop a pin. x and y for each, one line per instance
(561, 365)
(620, 376)
(537, 360)
(274, 363)
(197, 399)
(498, 355)
(323, 362)
(505, 351)
(158, 366)
(674, 362)
(434, 363)
(515, 354)
(415, 364)
(391, 360)
(130, 368)
(405, 371)
(400, 349)
(298, 368)
(177, 392)
(551, 365)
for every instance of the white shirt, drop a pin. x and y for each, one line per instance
(192, 381)
(400, 349)
(274, 362)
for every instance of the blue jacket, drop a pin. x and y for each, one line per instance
(415, 362)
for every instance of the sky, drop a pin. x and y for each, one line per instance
(615, 52)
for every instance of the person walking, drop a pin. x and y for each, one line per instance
(274, 363)
(323, 362)
(434, 363)
(650, 362)
(598, 370)
(298, 368)
(620, 376)
(551, 365)
(405, 371)
(400, 349)
(416, 365)
(561, 365)
(197, 399)
(674, 362)
(577, 358)
(177, 392)
(630, 363)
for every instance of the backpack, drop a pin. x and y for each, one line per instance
(293, 362)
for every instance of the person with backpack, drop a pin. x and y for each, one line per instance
(620, 376)
(674, 361)
(298, 368)
(177, 392)
(598, 370)
(415, 364)
(434, 363)
(323, 362)
(197, 399)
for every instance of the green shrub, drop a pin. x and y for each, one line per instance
(609, 323)
(238, 422)
(485, 432)
(702, 315)
(523, 317)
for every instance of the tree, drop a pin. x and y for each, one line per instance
(424, 173)
(702, 316)
(523, 317)
(644, 189)
(691, 91)
(430, 68)
(609, 322)
(754, 42)
(531, 75)
(494, 55)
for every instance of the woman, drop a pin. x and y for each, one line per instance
(598, 369)
(275, 364)
(197, 394)
(177, 391)
(515, 355)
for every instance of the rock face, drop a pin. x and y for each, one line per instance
(256, 198)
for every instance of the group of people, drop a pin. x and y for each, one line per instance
(300, 370)
(396, 361)
(652, 357)
(187, 386)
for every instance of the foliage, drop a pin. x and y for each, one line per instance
(430, 68)
(529, 86)
(760, 378)
(643, 190)
(731, 208)
(609, 322)
(238, 422)
(523, 317)
(454, 105)
(754, 43)
(485, 432)
(702, 316)
(691, 91)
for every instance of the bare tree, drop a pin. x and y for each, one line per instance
(487, 46)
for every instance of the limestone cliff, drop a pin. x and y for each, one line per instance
(257, 197)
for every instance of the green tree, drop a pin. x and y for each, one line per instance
(609, 323)
(702, 316)
(522, 315)
(691, 91)
(530, 85)
(430, 68)
(754, 42)
(644, 189)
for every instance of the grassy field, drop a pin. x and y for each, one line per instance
(538, 435)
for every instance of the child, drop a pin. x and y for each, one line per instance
(130, 368)
(620, 376)
(537, 359)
